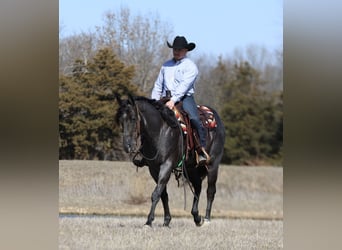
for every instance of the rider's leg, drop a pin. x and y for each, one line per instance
(190, 107)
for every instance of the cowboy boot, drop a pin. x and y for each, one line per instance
(203, 157)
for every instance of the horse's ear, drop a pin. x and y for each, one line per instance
(131, 99)
(118, 98)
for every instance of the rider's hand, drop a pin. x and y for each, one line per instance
(170, 104)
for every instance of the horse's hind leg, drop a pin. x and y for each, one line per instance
(165, 200)
(211, 191)
(197, 184)
(194, 211)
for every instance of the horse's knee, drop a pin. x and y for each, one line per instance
(155, 196)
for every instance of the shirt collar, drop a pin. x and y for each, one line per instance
(179, 61)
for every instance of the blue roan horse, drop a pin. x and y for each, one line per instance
(151, 129)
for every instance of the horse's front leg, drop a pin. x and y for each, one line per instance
(160, 191)
(154, 199)
(167, 214)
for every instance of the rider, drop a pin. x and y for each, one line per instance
(178, 76)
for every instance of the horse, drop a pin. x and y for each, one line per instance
(150, 128)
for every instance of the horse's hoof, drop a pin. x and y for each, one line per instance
(206, 222)
(147, 226)
(166, 223)
(200, 223)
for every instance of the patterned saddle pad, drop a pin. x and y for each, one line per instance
(206, 115)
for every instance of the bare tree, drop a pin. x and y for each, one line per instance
(137, 40)
(212, 78)
(269, 64)
(77, 47)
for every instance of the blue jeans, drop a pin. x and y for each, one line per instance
(190, 107)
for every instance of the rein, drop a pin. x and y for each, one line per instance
(144, 156)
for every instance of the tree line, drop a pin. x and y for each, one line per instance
(124, 56)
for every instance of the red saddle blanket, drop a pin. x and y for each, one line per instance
(206, 116)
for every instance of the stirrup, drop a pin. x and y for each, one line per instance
(203, 158)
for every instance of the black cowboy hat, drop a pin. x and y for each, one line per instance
(181, 43)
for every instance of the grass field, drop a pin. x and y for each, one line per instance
(115, 199)
(128, 233)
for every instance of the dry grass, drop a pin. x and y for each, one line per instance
(100, 187)
(128, 233)
(117, 191)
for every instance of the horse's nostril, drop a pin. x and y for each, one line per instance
(128, 148)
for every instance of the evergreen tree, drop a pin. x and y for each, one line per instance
(87, 107)
(252, 118)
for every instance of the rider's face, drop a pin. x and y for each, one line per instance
(179, 54)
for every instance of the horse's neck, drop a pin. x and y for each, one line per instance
(150, 119)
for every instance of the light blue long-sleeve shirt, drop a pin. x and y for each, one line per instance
(178, 77)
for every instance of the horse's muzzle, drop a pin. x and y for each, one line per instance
(128, 148)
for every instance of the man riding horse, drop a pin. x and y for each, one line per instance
(177, 76)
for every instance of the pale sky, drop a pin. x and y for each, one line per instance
(217, 27)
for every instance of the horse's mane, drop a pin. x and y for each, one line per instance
(167, 114)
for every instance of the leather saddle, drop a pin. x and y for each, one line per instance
(190, 134)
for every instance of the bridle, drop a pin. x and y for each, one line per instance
(138, 138)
